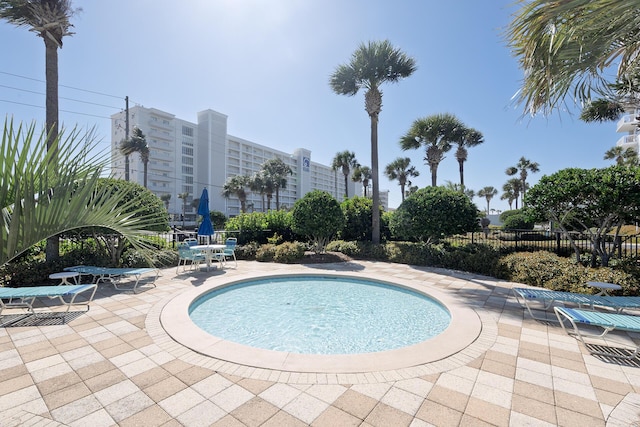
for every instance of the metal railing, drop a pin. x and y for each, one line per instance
(552, 241)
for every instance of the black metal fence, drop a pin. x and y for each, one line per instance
(552, 241)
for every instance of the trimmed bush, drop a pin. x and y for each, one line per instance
(348, 248)
(266, 253)
(317, 216)
(550, 271)
(289, 252)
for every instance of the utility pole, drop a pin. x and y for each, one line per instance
(126, 137)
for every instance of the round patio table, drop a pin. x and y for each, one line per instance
(65, 277)
(604, 287)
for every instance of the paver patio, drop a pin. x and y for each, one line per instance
(114, 365)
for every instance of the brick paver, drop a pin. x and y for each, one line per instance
(114, 365)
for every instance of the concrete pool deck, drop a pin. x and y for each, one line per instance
(116, 365)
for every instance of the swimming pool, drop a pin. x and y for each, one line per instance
(463, 329)
(319, 315)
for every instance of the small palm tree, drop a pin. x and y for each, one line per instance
(137, 143)
(166, 198)
(237, 186)
(623, 156)
(278, 171)
(256, 184)
(511, 191)
(488, 193)
(345, 161)
(51, 20)
(459, 188)
(184, 196)
(371, 65)
(399, 169)
(436, 133)
(471, 138)
(362, 174)
(69, 187)
(523, 166)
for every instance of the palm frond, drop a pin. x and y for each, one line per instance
(44, 193)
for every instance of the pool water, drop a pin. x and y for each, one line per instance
(319, 315)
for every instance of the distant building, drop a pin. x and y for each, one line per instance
(186, 157)
(628, 124)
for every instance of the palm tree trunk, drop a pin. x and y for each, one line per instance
(434, 174)
(346, 183)
(461, 168)
(375, 213)
(52, 250)
(145, 174)
(277, 199)
(126, 167)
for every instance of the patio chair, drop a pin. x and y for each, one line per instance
(548, 299)
(185, 254)
(116, 275)
(606, 322)
(230, 250)
(191, 241)
(25, 297)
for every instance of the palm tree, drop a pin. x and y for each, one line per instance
(411, 189)
(399, 169)
(137, 143)
(345, 161)
(623, 156)
(49, 19)
(236, 186)
(524, 166)
(278, 171)
(166, 198)
(70, 187)
(511, 191)
(459, 188)
(436, 133)
(256, 184)
(471, 138)
(568, 46)
(362, 174)
(184, 196)
(488, 193)
(371, 65)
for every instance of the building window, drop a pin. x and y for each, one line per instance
(188, 170)
(187, 160)
(188, 179)
(187, 150)
(187, 131)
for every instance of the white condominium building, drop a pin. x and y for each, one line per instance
(628, 124)
(187, 157)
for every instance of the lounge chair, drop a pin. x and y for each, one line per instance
(607, 322)
(67, 294)
(116, 276)
(548, 298)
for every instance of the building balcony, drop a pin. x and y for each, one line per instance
(628, 123)
(629, 141)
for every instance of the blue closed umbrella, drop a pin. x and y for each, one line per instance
(206, 227)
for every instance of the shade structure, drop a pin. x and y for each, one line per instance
(206, 227)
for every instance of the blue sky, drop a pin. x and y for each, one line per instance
(266, 64)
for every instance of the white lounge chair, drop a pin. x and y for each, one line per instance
(116, 276)
(547, 299)
(606, 322)
(68, 295)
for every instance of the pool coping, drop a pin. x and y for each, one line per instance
(465, 329)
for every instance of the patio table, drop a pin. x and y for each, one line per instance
(210, 252)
